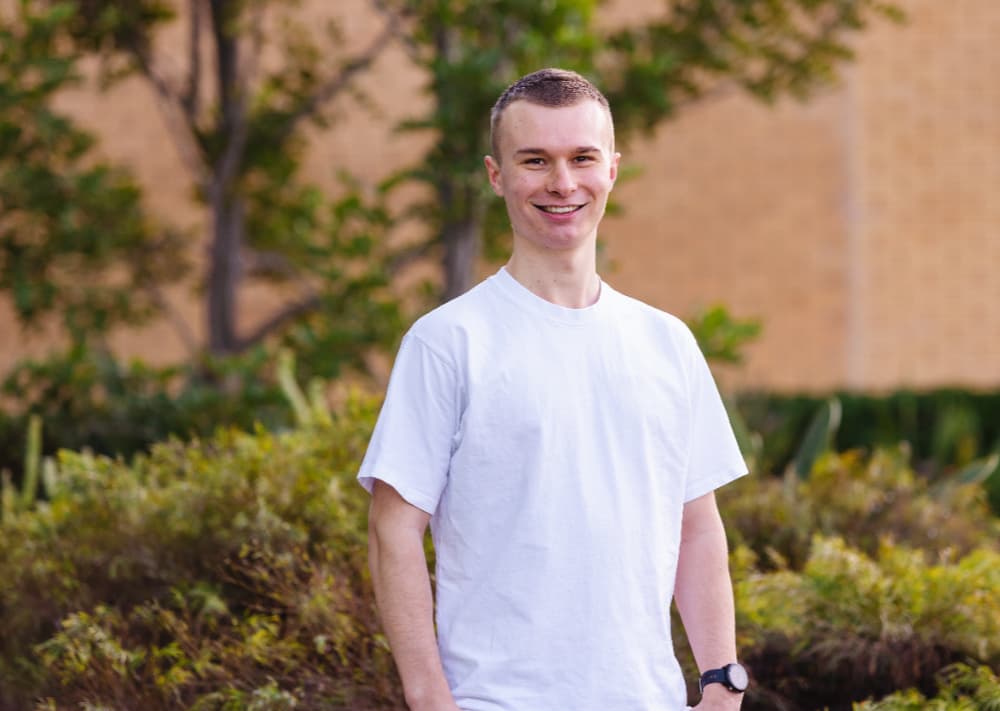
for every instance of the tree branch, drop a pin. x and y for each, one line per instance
(193, 91)
(232, 101)
(179, 123)
(334, 85)
(409, 43)
(231, 161)
(405, 257)
(292, 311)
(173, 316)
(252, 58)
(255, 263)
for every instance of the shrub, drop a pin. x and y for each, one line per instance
(962, 688)
(862, 499)
(850, 627)
(945, 427)
(90, 400)
(223, 573)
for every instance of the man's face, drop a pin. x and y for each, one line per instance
(555, 170)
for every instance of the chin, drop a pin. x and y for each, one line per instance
(564, 244)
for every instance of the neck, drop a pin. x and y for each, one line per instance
(564, 278)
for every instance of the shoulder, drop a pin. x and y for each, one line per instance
(447, 329)
(657, 323)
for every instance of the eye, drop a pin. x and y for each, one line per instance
(585, 158)
(533, 161)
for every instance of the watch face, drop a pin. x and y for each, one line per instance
(737, 676)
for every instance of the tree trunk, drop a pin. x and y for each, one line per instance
(228, 210)
(223, 273)
(462, 210)
(462, 240)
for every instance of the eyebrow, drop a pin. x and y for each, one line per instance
(542, 151)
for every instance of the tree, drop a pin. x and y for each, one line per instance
(240, 136)
(76, 242)
(472, 49)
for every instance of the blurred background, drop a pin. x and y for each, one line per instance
(859, 225)
(205, 202)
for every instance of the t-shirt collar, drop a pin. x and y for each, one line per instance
(527, 299)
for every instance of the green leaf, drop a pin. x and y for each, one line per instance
(980, 470)
(818, 438)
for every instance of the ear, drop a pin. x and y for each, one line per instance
(493, 171)
(615, 159)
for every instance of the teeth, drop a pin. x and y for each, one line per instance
(559, 210)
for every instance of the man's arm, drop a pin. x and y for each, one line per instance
(704, 596)
(403, 596)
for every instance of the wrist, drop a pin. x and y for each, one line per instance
(435, 699)
(716, 696)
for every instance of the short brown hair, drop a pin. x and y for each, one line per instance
(548, 87)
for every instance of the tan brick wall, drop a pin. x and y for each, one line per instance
(928, 146)
(861, 227)
(740, 204)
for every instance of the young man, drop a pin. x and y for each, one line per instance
(563, 441)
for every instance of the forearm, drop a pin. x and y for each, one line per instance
(406, 612)
(704, 597)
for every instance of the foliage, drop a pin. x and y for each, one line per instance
(74, 240)
(849, 626)
(68, 220)
(962, 688)
(863, 499)
(228, 572)
(13, 499)
(818, 438)
(950, 432)
(722, 337)
(948, 426)
(861, 559)
(88, 399)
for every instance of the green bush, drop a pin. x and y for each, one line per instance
(860, 498)
(944, 428)
(849, 627)
(962, 688)
(229, 572)
(224, 573)
(90, 400)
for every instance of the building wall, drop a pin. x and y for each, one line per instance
(861, 227)
(928, 244)
(742, 204)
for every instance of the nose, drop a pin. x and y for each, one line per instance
(561, 179)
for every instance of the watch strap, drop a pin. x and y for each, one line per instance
(713, 676)
(725, 676)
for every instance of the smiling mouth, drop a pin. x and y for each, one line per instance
(559, 209)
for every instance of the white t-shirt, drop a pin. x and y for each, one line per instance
(555, 449)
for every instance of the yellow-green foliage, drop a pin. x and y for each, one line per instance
(859, 580)
(227, 573)
(230, 573)
(962, 688)
(851, 623)
(861, 499)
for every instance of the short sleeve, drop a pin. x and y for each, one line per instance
(411, 445)
(714, 456)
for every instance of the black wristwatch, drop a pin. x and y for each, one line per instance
(732, 676)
